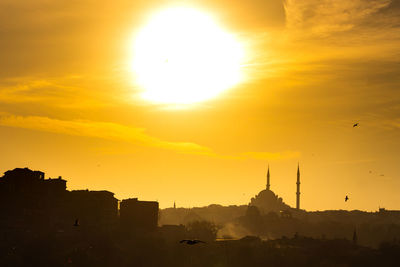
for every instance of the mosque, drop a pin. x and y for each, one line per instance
(267, 201)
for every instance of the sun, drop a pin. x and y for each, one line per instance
(182, 56)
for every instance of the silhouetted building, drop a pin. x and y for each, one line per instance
(25, 181)
(29, 202)
(266, 201)
(135, 214)
(94, 209)
(55, 185)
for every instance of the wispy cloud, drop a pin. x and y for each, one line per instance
(134, 135)
(322, 18)
(393, 123)
(105, 130)
(72, 91)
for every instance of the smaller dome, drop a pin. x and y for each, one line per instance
(267, 201)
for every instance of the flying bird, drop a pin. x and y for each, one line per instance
(76, 222)
(191, 241)
(355, 124)
(346, 198)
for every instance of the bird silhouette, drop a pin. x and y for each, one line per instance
(191, 241)
(76, 222)
(346, 198)
(355, 124)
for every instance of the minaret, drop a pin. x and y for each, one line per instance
(268, 184)
(174, 205)
(298, 188)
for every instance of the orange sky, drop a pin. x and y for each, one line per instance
(69, 105)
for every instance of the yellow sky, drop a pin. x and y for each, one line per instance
(68, 105)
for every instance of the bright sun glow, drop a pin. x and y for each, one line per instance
(182, 56)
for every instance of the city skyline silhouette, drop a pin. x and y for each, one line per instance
(199, 133)
(89, 94)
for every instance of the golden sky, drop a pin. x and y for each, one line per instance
(69, 104)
